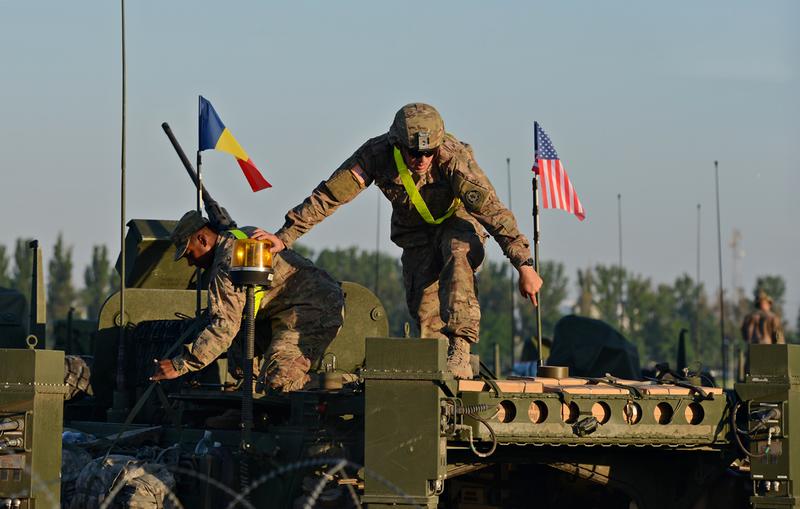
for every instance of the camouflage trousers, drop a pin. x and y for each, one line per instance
(439, 279)
(292, 331)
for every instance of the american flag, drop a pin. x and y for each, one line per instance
(557, 190)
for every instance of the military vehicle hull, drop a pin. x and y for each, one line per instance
(383, 424)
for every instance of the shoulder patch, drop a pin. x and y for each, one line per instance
(473, 198)
(472, 194)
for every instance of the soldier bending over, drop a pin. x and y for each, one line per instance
(441, 203)
(297, 317)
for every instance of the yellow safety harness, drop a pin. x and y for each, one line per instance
(413, 192)
(259, 293)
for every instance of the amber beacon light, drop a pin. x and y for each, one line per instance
(251, 267)
(251, 263)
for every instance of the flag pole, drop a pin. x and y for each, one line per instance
(534, 185)
(197, 274)
(511, 279)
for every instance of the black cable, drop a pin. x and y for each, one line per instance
(491, 433)
(737, 431)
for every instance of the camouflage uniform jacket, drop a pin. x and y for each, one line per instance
(454, 174)
(226, 303)
(762, 327)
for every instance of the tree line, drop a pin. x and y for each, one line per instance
(99, 277)
(650, 315)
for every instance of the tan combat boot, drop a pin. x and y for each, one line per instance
(458, 358)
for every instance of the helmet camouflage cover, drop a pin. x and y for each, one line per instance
(417, 126)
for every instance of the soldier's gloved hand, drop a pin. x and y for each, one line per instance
(529, 283)
(165, 370)
(277, 244)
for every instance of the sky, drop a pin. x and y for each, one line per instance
(639, 99)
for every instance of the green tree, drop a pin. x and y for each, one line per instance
(710, 352)
(97, 279)
(23, 265)
(662, 326)
(608, 292)
(585, 303)
(638, 311)
(351, 264)
(60, 292)
(551, 297)
(5, 278)
(303, 250)
(494, 295)
(113, 281)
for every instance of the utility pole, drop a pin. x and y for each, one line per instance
(619, 275)
(721, 288)
(511, 276)
(696, 331)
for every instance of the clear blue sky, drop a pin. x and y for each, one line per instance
(639, 98)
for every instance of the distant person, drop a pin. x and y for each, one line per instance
(296, 317)
(441, 203)
(762, 326)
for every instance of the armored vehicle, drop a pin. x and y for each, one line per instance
(383, 423)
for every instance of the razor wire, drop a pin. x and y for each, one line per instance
(312, 462)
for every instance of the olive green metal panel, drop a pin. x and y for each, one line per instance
(772, 401)
(551, 418)
(140, 305)
(364, 316)
(405, 452)
(774, 361)
(32, 389)
(149, 257)
(34, 368)
(37, 325)
(403, 358)
(148, 304)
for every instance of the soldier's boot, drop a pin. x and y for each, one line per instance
(458, 358)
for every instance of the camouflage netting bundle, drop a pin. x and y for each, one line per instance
(132, 483)
(73, 459)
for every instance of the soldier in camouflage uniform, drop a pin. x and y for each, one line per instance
(298, 316)
(441, 203)
(762, 326)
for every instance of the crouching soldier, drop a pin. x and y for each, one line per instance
(296, 318)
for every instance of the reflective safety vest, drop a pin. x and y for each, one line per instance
(413, 192)
(259, 291)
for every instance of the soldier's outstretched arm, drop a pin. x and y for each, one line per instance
(344, 185)
(225, 312)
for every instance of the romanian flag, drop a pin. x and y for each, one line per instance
(215, 136)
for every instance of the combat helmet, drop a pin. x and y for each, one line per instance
(417, 126)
